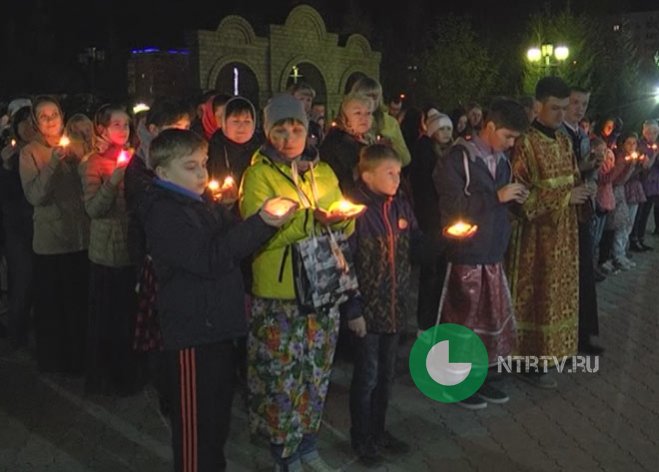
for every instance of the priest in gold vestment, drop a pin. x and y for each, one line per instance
(543, 267)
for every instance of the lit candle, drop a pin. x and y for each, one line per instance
(280, 206)
(346, 208)
(634, 155)
(13, 143)
(213, 186)
(228, 182)
(123, 158)
(64, 141)
(460, 230)
(654, 147)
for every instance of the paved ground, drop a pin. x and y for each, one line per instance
(603, 421)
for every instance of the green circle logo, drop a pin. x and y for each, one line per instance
(448, 363)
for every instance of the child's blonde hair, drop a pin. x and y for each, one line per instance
(174, 144)
(372, 156)
(80, 130)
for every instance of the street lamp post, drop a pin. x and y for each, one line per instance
(548, 55)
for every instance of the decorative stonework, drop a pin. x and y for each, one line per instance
(302, 41)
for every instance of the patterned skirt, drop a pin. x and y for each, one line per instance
(289, 362)
(478, 297)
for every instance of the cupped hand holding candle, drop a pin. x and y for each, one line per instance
(61, 151)
(228, 182)
(346, 208)
(278, 210)
(124, 157)
(460, 230)
(214, 186)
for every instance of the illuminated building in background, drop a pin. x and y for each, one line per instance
(154, 72)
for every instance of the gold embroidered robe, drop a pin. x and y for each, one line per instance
(543, 259)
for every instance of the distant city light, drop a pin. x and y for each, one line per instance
(154, 50)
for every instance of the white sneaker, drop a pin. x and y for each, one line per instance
(620, 265)
(608, 267)
(629, 263)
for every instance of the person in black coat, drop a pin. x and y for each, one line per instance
(428, 153)
(344, 142)
(18, 230)
(197, 246)
(232, 146)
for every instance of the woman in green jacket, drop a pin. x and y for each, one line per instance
(385, 127)
(289, 352)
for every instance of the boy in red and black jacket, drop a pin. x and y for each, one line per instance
(197, 246)
(382, 242)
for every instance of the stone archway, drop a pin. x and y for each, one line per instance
(308, 73)
(237, 78)
(350, 81)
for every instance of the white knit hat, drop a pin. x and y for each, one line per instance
(436, 121)
(17, 104)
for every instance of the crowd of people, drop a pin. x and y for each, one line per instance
(164, 247)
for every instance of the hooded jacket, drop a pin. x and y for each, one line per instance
(53, 188)
(383, 243)
(267, 177)
(226, 157)
(468, 191)
(197, 247)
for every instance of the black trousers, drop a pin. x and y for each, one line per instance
(113, 367)
(641, 221)
(606, 246)
(431, 280)
(588, 318)
(372, 376)
(201, 381)
(20, 265)
(60, 311)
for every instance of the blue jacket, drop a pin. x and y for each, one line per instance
(385, 236)
(467, 191)
(197, 247)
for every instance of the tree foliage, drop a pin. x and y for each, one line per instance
(455, 68)
(602, 59)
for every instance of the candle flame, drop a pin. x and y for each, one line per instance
(346, 208)
(64, 141)
(634, 155)
(228, 182)
(13, 143)
(460, 229)
(123, 157)
(213, 185)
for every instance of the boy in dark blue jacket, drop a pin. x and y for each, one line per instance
(197, 247)
(381, 245)
(474, 183)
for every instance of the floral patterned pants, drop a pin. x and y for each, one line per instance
(289, 362)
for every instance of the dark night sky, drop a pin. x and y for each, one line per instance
(34, 33)
(162, 22)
